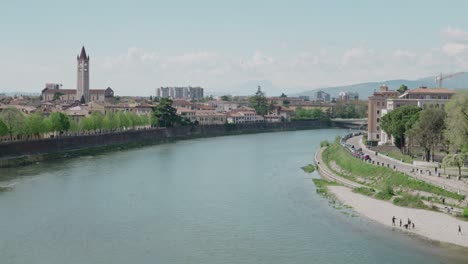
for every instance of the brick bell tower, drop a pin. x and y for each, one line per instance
(82, 87)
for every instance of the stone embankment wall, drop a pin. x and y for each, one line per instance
(23, 152)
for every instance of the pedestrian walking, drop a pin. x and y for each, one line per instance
(393, 220)
(459, 230)
(413, 224)
(400, 222)
(409, 222)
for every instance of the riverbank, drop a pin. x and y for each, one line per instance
(429, 224)
(432, 225)
(13, 154)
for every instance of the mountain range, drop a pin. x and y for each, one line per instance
(459, 82)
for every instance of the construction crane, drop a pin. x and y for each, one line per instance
(439, 78)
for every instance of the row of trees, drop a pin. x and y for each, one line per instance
(431, 127)
(14, 124)
(309, 114)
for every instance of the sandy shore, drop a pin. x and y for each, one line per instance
(433, 225)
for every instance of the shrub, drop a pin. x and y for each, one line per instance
(465, 212)
(309, 168)
(324, 144)
(365, 191)
(407, 200)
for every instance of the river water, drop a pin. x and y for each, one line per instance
(236, 199)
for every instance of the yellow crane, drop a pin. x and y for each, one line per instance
(439, 78)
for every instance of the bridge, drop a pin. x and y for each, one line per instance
(353, 123)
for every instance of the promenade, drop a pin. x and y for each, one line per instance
(417, 172)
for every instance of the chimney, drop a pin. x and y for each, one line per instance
(383, 88)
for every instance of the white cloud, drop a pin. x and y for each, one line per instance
(456, 34)
(452, 49)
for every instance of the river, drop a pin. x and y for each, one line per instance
(234, 199)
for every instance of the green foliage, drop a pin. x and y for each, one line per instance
(59, 122)
(321, 185)
(398, 121)
(324, 144)
(3, 128)
(225, 98)
(309, 114)
(34, 124)
(457, 122)
(348, 110)
(57, 96)
(259, 102)
(465, 212)
(164, 115)
(403, 88)
(378, 177)
(386, 194)
(309, 168)
(13, 120)
(407, 200)
(428, 129)
(457, 160)
(364, 190)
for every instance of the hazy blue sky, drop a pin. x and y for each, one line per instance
(136, 46)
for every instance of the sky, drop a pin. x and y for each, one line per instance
(228, 46)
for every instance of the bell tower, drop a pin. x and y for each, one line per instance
(82, 87)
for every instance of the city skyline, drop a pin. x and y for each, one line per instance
(139, 47)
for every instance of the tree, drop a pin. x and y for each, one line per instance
(14, 121)
(403, 88)
(3, 128)
(57, 96)
(225, 98)
(283, 95)
(164, 115)
(59, 122)
(456, 160)
(398, 122)
(457, 122)
(35, 125)
(259, 102)
(309, 114)
(428, 129)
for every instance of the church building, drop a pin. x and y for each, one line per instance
(53, 92)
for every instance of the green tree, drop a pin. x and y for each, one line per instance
(457, 122)
(283, 95)
(57, 96)
(97, 119)
(3, 128)
(111, 122)
(14, 121)
(59, 122)
(124, 122)
(225, 98)
(259, 102)
(35, 125)
(457, 160)
(309, 114)
(428, 130)
(164, 115)
(398, 122)
(403, 88)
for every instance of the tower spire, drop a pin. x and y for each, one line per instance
(83, 53)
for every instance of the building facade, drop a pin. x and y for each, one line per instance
(180, 92)
(54, 92)
(82, 86)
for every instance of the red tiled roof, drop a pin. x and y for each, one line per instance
(431, 91)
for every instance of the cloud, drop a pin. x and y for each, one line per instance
(452, 49)
(456, 34)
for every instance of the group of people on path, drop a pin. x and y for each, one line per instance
(410, 224)
(407, 226)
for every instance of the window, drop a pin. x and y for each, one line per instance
(378, 103)
(378, 112)
(378, 136)
(378, 128)
(378, 120)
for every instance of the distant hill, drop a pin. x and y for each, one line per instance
(459, 82)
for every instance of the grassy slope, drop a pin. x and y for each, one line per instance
(379, 177)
